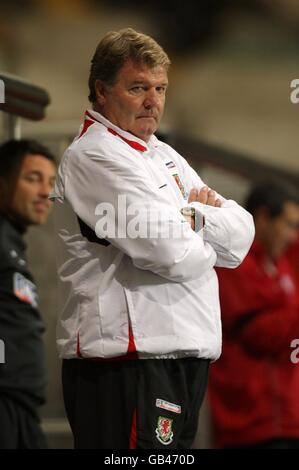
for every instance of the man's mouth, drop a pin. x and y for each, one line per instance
(147, 117)
(41, 206)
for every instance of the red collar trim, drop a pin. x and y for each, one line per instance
(86, 125)
(135, 145)
(132, 143)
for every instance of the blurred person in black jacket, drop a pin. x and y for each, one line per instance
(27, 173)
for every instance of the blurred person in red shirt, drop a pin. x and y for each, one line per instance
(254, 386)
(293, 254)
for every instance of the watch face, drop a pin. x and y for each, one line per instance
(188, 211)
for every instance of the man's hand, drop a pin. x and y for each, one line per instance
(205, 196)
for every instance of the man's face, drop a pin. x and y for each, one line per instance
(136, 102)
(283, 229)
(29, 203)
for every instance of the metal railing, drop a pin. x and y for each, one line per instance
(20, 99)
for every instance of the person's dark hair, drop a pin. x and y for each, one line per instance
(272, 195)
(115, 49)
(13, 152)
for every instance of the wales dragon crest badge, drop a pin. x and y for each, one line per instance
(164, 432)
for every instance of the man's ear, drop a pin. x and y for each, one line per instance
(100, 92)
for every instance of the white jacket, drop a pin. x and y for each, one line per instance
(161, 284)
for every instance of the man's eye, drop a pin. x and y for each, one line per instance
(32, 178)
(137, 89)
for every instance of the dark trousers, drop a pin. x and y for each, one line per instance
(19, 426)
(143, 404)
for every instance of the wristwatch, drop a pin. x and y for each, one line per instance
(188, 212)
(197, 222)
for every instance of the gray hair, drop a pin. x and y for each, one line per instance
(115, 49)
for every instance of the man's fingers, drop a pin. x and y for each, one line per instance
(211, 198)
(203, 195)
(193, 195)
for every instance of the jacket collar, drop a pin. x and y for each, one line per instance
(130, 139)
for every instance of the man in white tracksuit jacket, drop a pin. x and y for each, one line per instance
(139, 236)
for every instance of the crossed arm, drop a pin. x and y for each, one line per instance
(205, 196)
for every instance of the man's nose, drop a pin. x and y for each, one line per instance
(151, 99)
(45, 189)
